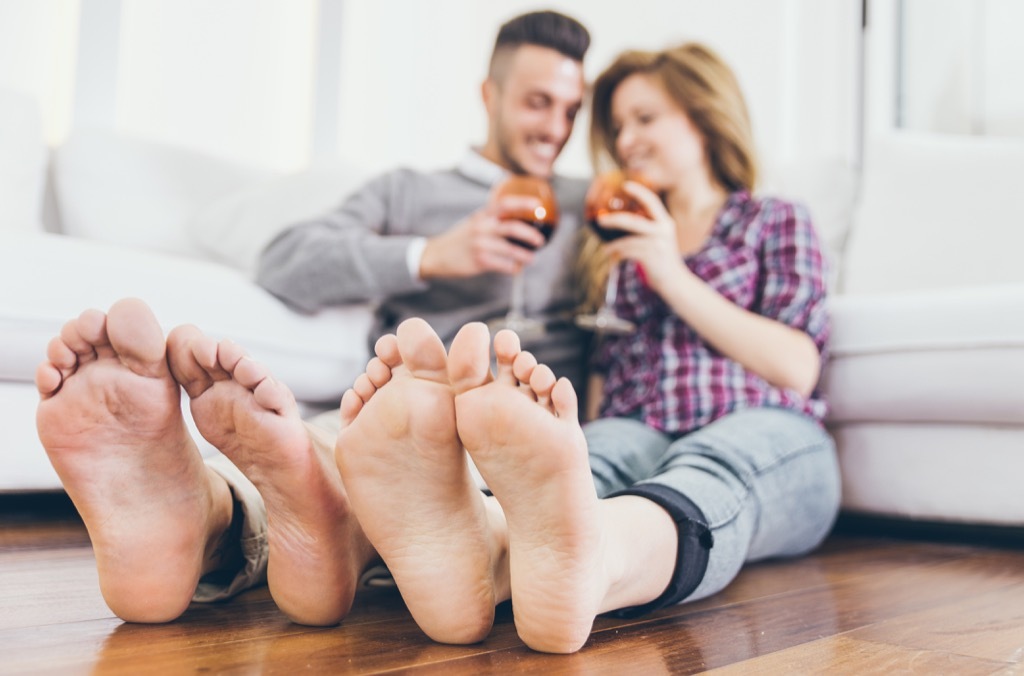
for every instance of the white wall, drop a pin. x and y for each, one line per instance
(238, 78)
(38, 39)
(963, 66)
(421, 105)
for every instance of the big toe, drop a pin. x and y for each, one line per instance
(422, 350)
(137, 338)
(192, 357)
(469, 360)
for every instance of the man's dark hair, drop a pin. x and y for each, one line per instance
(565, 35)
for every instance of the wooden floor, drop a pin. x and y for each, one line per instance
(859, 605)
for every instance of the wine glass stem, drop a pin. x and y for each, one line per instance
(612, 290)
(516, 309)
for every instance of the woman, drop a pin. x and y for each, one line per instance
(710, 408)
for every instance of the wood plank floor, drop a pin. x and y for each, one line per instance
(859, 605)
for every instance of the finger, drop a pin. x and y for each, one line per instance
(647, 199)
(623, 220)
(521, 232)
(490, 262)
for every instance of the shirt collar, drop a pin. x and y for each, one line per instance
(476, 167)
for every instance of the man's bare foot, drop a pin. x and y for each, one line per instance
(406, 473)
(529, 447)
(317, 549)
(110, 421)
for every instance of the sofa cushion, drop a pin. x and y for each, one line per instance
(22, 162)
(58, 277)
(236, 227)
(123, 190)
(951, 356)
(936, 212)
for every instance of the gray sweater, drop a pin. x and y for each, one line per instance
(358, 253)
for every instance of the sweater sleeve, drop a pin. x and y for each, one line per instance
(349, 255)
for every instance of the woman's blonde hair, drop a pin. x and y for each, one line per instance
(706, 89)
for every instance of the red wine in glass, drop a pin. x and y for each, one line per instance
(544, 217)
(606, 195)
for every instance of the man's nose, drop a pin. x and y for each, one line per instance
(558, 125)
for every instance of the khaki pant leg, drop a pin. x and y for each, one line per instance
(253, 539)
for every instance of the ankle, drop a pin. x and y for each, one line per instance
(639, 551)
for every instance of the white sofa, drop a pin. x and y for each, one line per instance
(928, 344)
(103, 217)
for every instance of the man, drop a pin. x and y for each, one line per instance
(433, 245)
(168, 528)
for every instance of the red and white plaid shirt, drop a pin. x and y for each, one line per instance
(763, 255)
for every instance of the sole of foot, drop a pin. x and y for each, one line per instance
(110, 420)
(316, 548)
(522, 430)
(406, 472)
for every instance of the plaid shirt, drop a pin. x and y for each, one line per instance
(764, 256)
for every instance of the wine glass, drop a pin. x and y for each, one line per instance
(544, 217)
(607, 195)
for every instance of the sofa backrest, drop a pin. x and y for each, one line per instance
(118, 189)
(22, 162)
(936, 212)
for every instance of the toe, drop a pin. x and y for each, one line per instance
(364, 387)
(564, 400)
(229, 354)
(136, 336)
(191, 357)
(469, 360)
(378, 372)
(249, 373)
(422, 350)
(386, 350)
(48, 379)
(523, 366)
(351, 405)
(506, 349)
(542, 380)
(274, 396)
(71, 334)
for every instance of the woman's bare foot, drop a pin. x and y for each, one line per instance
(529, 447)
(407, 476)
(317, 549)
(110, 421)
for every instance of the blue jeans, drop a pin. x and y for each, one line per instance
(764, 481)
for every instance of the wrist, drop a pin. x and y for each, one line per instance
(414, 257)
(429, 265)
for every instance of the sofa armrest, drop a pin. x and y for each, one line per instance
(953, 356)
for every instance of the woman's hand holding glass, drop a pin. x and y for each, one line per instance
(619, 211)
(649, 237)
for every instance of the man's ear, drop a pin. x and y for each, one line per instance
(489, 94)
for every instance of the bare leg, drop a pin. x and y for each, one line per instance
(406, 472)
(317, 549)
(110, 420)
(571, 555)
